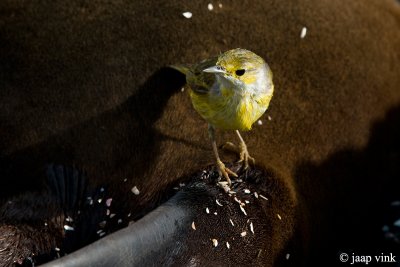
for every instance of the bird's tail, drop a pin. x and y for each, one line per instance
(185, 69)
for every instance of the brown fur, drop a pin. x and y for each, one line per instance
(83, 83)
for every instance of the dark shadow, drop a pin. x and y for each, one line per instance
(119, 142)
(347, 196)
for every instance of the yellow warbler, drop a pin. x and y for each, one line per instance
(231, 92)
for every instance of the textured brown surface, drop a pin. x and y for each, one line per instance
(81, 83)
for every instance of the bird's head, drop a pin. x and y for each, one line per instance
(242, 68)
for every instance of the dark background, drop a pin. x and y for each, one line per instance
(83, 83)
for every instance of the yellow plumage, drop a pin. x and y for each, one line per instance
(230, 92)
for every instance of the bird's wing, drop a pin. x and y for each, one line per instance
(198, 80)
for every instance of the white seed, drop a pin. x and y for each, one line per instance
(135, 190)
(207, 211)
(287, 256)
(57, 249)
(45, 224)
(251, 227)
(259, 122)
(242, 234)
(125, 180)
(227, 245)
(215, 213)
(102, 234)
(193, 226)
(108, 212)
(108, 202)
(224, 186)
(220, 5)
(256, 194)
(263, 197)
(231, 222)
(269, 118)
(69, 219)
(279, 216)
(183, 89)
(303, 32)
(182, 184)
(100, 200)
(68, 228)
(119, 221)
(187, 15)
(215, 242)
(247, 191)
(112, 215)
(247, 202)
(242, 209)
(210, 6)
(218, 203)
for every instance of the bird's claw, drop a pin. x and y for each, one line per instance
(225, 172)
(244, 156)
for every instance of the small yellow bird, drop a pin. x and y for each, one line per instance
(230, 92)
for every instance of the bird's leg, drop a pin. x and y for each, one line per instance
(224, 171)
(241, 150)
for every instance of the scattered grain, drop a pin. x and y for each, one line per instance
(135, 190)
(303, 32)
(242, 209)
(187, 15)
(68, 228)
(108, 202)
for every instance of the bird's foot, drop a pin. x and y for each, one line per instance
(225, 172)
(244, 155)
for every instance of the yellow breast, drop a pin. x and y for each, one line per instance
(229, 110)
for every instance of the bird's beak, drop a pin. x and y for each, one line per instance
(215, 69)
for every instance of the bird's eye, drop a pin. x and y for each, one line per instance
(240, 72)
